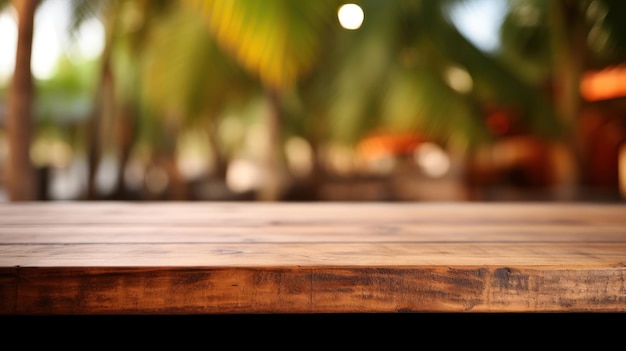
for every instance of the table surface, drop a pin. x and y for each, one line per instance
(76, 258)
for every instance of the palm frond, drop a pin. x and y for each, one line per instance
(185, 72)
(278, 40)
(492, 78)
(82, 10)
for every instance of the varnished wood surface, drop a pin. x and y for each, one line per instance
(231, 258)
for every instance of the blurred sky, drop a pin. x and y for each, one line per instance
(50, 40)
(479, 20)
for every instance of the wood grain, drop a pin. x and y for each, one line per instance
(230, 258)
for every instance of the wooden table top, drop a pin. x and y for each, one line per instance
(99, 258)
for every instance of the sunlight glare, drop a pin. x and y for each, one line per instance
(350, 16)
(459, 79)
(243, 175)
(47, 36)
(432, 159)
(91, 38)
(8, 43)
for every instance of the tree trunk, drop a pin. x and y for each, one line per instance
(102, 112)
(124, 137)
(21, 178)
(98, 130)
(220, 161)
(569, 55)
(273, 167)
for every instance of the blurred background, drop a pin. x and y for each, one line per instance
(313, 100)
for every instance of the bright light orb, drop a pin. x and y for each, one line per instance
(350, 16)
(432, 159)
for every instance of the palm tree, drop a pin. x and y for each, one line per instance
(81, 10)
(390, 72)
(553, 43)
(277, 41)
(113, 125)
(193, 87)
(394, 73)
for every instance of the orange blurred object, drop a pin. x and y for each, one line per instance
(606, 84)
(383, 144)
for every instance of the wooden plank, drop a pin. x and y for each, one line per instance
(344, 222)
(244, 214)
(205, 258)
(190, 290)
(313, 254)
(312, 233)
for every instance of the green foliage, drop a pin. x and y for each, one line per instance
(276, 40)
(188, 63)
(186, 74)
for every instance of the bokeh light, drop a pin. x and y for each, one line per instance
(350, 16)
